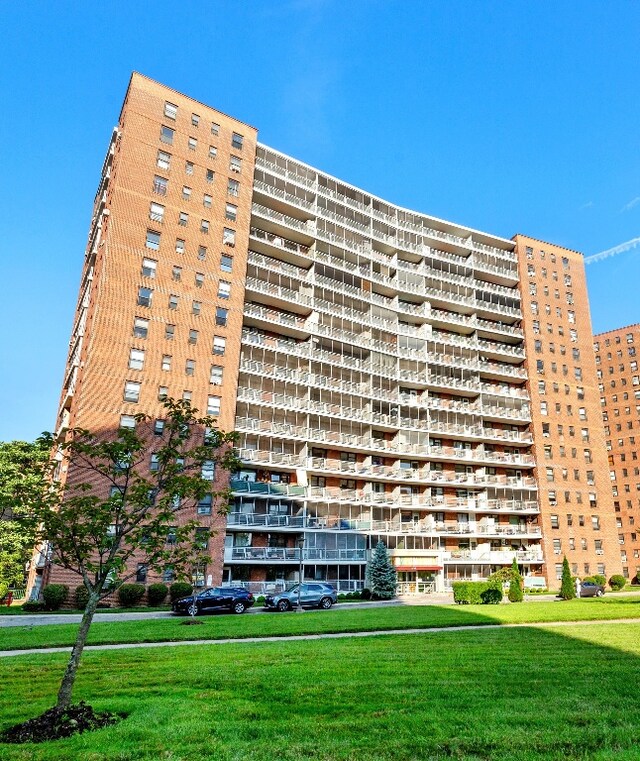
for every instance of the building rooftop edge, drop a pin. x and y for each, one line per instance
(184, 95)
(616, 330)
(469, 230)
(547, 243)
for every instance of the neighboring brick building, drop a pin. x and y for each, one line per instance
(371, 358)
(576, 509)
(619, 385)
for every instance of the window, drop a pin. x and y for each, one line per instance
(170, 110)
(205, 504)
(204, 226)
(188, 167)
(160, 185)
(127, 421)
(206, 201)
(192, 143)
(186, 193)
(132, 391)
(549, 472)
(180, 245)
(193, 337)
(140, 327)
(213, 405)
(183, 219)
(163, 160)
(163, 393)
(557, 547)
(195, 120)
(231, 212)
(215, 128)
(136, 359)
(224, 289)
(221, 316)
(141, 573)
(154, 463)
(166, 135)
(213, 152)
(219, 345)
(190, 367)
(595, 522)
(173, 301)
(166, 362)
(145, 296)
(235, 164)
(169, 331)
(544, 408)
(199, 279)
(186, 395)
(209, 176)
(153, 240)
(233, 186)
(196, 307)
(236, 141)
(215, 377)
(540, 365)
(149, 267)
(555, 522)
(229, 237)
(156, 212)
(176, 273)
(226, 263)
(202, 253)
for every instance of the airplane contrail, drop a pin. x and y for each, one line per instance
(628, 246)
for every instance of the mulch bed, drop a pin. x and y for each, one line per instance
(55, 724)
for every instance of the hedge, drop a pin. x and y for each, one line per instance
(470, 592)
(55, 595)
(130, 594)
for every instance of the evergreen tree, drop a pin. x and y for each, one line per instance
(567, 589)
(381, 575)
(515, 584)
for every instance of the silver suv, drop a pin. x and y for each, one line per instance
(313, 594)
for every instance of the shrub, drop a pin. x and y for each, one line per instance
(33, 606)
(381, 574)
(81, 596)
(567, 589)
(515, 584)
(470, 592)
(617, 582)
(491, 596)
(260, 600)
(157, 593)
(55, 595)
(365, 594)
(179, 589)
(599, 578)
(130, 594)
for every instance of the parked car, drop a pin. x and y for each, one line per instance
(591, 589)
(312, 595)
(232, 599)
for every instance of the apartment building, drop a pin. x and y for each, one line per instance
(371, 358)
(576, 509)
(619, 387)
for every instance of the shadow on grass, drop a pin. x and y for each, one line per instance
(522, 694)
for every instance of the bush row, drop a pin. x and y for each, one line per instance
(477, 592)
(129, 595)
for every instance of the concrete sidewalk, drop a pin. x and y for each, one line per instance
(306, 637)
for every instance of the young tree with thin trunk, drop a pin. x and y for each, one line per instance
(122, 504)
(567, 588)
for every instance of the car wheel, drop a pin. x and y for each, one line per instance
(284, 605)
(326, 603)
(238, 607)
(599, 593)
(193, 610)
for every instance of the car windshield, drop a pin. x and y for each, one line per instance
(294, 588)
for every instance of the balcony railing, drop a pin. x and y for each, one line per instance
(232, 554)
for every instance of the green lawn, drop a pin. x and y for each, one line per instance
(362, 619)
(493, 695)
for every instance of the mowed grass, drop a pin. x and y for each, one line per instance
(494, 695)
(336, 620)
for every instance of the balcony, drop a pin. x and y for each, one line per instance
(292, 555)
(494, 557)
(283, 219)
(289, 198)
(239, 486)
(284, 244)
(287, 174)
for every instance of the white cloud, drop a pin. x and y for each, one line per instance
(632, 203)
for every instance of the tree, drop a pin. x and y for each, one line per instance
(121, 503)
(20, 465)
(381, 575)
(567, 588)
(515, 584)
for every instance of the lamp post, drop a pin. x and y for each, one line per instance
(300, 543)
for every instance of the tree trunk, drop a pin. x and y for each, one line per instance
(66, 687)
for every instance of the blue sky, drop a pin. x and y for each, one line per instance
(508, 117)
